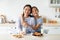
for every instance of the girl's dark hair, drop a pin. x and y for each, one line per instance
(28, 5)
(35, 7)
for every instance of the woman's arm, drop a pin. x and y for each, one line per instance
(18, 25)
(24, 23)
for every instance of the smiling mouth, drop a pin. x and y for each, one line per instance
(35, 14)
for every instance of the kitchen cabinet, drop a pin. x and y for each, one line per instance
(7, 28)
(51, 28)
(55, 3)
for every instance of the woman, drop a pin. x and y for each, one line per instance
(26, 23)
(38, 21)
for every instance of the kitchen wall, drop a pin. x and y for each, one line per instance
(12, 8)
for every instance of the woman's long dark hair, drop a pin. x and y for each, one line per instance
(30, 8)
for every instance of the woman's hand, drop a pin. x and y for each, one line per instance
(18, 35)
(25, 24)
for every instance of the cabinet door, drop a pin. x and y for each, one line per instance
(4, 30)
(55, 30)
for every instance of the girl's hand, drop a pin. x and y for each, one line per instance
(36, 27)
(36, 34)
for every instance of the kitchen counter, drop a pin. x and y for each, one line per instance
(52, 37)
(30, 37)
(26, 37)
(6, 31)
(50, 24)
(7, 25)
(7, 28)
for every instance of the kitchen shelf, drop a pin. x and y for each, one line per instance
(55, 3)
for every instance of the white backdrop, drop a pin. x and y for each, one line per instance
(12, 8)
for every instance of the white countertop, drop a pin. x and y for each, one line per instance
(10, 37)
(52, 37)
(50, 24)
(30, 37)
(6, 36)
(7, 25)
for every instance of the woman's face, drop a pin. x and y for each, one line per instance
(34, 12)
(27, 10)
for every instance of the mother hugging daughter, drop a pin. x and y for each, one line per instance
(30, 21)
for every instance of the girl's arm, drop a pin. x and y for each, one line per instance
(36, 27)
(38, 24)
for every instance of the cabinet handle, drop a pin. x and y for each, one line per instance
(15, 27)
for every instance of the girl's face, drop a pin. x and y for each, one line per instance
(27, 10)
(34, 12)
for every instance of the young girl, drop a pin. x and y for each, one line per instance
(38, 21)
